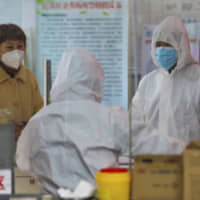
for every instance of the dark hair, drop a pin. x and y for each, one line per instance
(11, 32)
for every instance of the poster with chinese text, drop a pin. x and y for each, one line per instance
(99, 25)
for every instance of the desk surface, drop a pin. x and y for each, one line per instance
(32, 197)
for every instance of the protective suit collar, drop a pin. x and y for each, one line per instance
(172, 31)
(79, 77)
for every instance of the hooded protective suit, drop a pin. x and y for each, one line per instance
(166, 106)
(75, 135)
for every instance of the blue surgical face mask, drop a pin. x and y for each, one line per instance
(166, 56)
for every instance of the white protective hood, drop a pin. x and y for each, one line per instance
(79, 77)
(172, 31)
(166, 106)
(74, 136)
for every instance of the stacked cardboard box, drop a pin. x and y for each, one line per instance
(168, 177)
(191, 159)
(157, 177)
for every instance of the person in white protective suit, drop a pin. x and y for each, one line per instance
(166, 106)
(76, 135)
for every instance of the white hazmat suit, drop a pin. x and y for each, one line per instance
(166, 106)
(75, 135)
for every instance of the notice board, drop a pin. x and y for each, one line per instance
(99, 25)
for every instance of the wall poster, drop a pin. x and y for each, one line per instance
(99, 25)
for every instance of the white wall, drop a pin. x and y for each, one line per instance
(154, 11)
(11, 11)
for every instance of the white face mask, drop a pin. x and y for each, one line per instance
(13, 59)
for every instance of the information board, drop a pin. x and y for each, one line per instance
(100, 26)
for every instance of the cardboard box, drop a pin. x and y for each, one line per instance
(157, 177)
(25, 184)
(191, 159)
